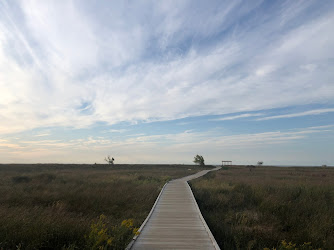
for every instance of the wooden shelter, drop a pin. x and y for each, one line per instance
(226, 163)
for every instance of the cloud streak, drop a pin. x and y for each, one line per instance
(238, 116)
(138, 147)
(305, 113)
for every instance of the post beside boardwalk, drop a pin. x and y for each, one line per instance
(175, 221)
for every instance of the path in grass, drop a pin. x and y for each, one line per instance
(176, 221)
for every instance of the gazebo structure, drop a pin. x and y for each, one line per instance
(226, 163)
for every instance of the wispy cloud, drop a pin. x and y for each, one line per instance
(42, 134)
(186, 143)
(169, 148)
(237, 116)
(117, 130)
(7, 144)
(264, 70)
(188, 139)
(305, 113)
(132, 64)
(78, 64)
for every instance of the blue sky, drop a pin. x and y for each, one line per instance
(162, 81)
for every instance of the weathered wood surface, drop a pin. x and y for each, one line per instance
(175, 221)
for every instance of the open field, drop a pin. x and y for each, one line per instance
(55, 206)
(260, 207)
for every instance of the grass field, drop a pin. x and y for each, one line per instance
(54, 206)
(268, 207)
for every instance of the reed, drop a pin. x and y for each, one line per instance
(268, 207)
(55, 206)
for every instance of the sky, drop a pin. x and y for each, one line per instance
(162, 81)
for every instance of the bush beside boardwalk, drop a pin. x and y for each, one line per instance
(268, 207)
(54, 206)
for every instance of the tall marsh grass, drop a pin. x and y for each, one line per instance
(269, 207)
(54, 206)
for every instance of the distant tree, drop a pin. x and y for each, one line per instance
(259, 163)
(109, 160)
(198, 159)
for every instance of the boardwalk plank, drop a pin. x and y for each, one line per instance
(176, 222)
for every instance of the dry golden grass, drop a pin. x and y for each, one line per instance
(262, 207)
(52, 206)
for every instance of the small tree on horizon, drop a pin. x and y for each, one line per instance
(259, 163)
(109, 160)
(198, 159)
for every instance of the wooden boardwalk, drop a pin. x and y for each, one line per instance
(175, 221)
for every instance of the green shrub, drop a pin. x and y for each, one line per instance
(99, 236)
(103, 236)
